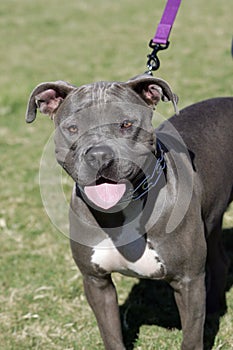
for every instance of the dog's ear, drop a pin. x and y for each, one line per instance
(47, 97)
(152, 90)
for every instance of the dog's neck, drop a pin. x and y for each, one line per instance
(126, 227)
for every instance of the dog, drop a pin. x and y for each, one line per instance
(146, 203)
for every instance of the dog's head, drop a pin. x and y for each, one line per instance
(104, 135)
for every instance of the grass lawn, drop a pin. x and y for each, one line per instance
(42, 304)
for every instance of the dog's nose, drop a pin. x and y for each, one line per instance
(99, 157)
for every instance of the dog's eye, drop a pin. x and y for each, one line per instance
(73, 129)
(126, 124)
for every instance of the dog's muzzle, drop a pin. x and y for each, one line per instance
(105, 194)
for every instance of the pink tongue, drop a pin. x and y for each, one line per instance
(105, 195)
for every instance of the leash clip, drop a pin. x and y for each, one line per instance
(153, 62)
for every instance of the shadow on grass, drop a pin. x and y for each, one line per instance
(152, 303)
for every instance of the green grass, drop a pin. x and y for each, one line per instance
(42, 305)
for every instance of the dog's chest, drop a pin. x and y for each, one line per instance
(147, 264)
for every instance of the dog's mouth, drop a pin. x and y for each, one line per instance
(105, 193)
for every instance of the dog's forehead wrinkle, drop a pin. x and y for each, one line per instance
(104, 92)
(104, 102)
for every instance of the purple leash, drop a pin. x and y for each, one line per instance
(160, 40)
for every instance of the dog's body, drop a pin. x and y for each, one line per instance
(145, 206)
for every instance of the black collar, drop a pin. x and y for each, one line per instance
(148, 182)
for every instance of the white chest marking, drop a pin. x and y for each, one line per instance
(106, 256)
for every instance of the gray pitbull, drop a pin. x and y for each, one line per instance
(146, 203)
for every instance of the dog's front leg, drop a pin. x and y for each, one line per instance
(102, 297)
(190, 297)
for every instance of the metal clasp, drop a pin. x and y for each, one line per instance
(153, 62)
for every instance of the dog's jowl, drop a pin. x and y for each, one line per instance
(146, 203)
